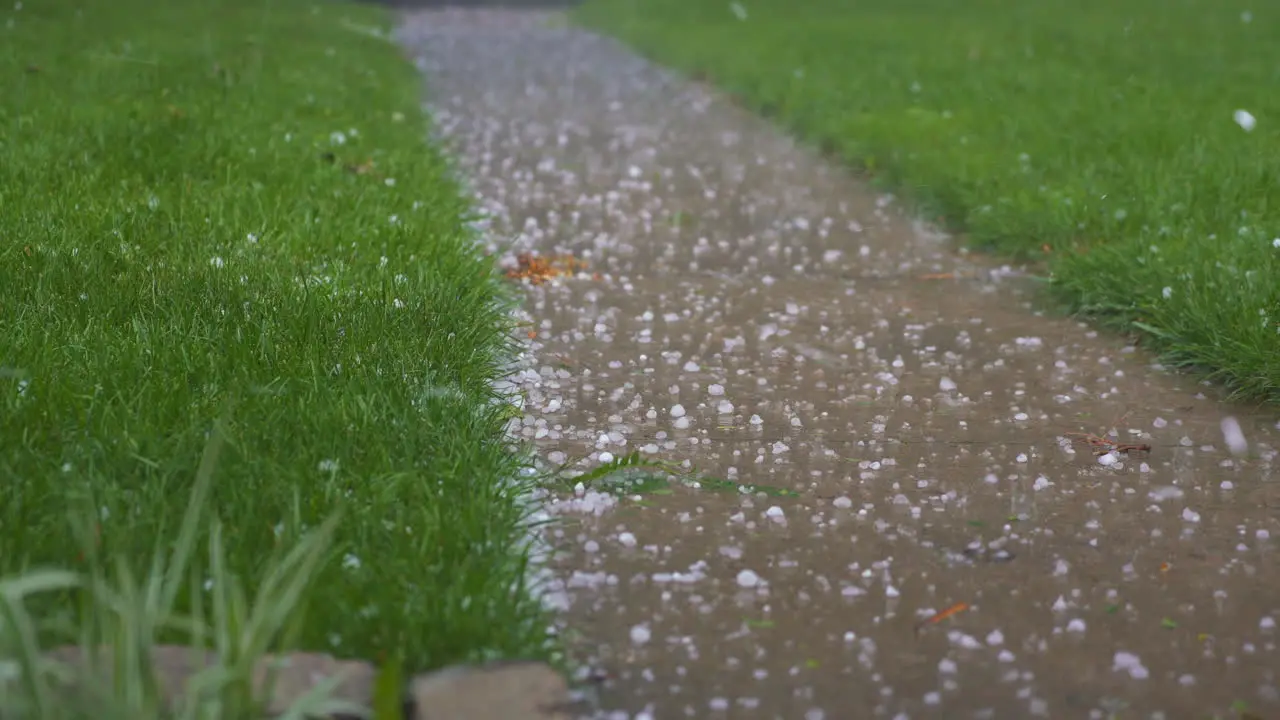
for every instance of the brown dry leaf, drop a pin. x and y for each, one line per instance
(363, 168)
(538, 269)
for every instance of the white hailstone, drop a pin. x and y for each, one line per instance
(1234, 436)
(1128, 662)
(1245, 120)
(748, 579)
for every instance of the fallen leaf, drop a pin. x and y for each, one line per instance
(363, 168)
(538, 269)
(943, 615)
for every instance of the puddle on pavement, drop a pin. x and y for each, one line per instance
(752, 311)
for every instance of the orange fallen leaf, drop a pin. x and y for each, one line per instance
(538, 269)
(943, 615)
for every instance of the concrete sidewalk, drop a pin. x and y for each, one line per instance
(755, 311)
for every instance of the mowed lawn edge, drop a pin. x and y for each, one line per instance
(1104, 140)
(230, 210)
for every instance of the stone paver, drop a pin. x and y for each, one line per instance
(754, 311)
(496, 691)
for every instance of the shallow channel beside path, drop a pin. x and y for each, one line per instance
(752, 309)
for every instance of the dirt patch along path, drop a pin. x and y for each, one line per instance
(760, 314)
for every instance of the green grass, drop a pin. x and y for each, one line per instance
(213, 208)
(1096, 136)
(126, 613)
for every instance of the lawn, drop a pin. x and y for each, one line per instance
(229, 210)
(1101, 137)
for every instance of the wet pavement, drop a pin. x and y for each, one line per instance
(754, 311)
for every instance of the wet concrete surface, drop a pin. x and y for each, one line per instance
(754, 311)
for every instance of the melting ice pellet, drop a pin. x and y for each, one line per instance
(1130, 663)
(1234, 436)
